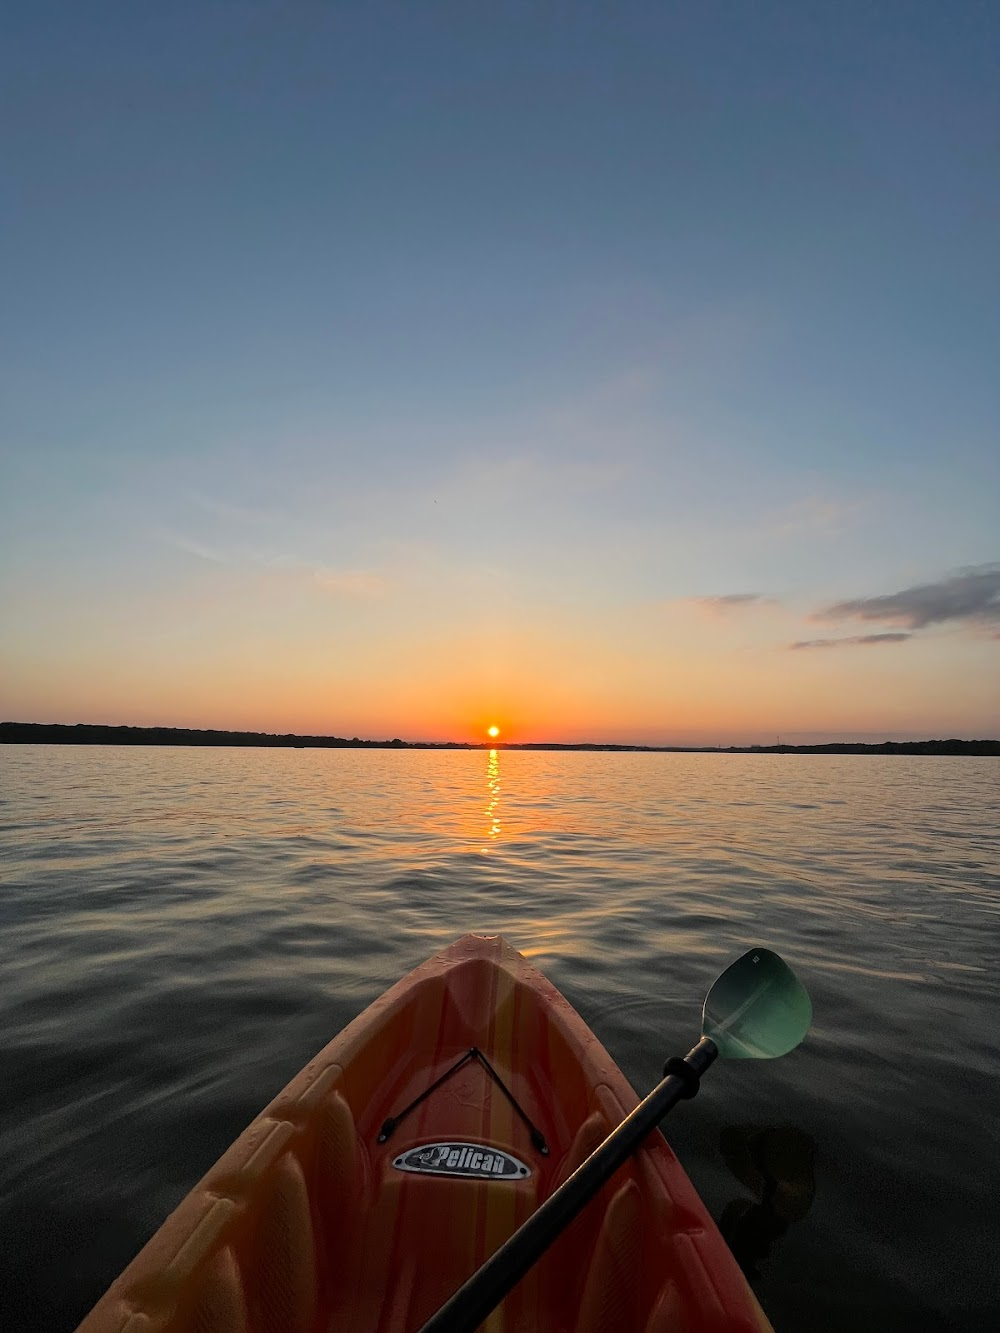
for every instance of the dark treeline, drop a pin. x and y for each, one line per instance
(42, 733)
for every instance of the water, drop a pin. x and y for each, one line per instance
(181, 929)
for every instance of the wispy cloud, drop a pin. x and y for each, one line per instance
(971, 595)
(734, 606)
(814, 516)
(854, 641)
(351, 582)
(732, 601)
(226, 509)
(346, 582)
(189, 545)
(532, 474)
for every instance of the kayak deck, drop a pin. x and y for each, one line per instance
(309, 1222)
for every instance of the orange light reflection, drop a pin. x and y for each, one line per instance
(492, 810)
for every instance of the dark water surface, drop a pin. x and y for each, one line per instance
(181, 929)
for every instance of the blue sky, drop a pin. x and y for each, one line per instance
(384, 367)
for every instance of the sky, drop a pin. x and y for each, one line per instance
(601, 372)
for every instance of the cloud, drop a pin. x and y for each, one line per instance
(853, 641)
(971, 595)
(814, 516)
(226, 510)
(732, 601)
(514, 475)
(351, 582)
(189, 545)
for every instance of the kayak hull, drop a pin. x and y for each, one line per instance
(310, 1222)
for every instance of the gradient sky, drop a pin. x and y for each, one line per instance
(609, 372)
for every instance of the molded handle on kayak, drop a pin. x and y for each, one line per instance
(486, 1288)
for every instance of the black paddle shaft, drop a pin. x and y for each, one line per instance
(487, 1287)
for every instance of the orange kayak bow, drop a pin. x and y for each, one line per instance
(406, 1153)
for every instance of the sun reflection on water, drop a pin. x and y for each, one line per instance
(492, 810)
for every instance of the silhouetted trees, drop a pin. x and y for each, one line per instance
(85, 733)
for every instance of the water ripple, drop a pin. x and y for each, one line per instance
(182, 929)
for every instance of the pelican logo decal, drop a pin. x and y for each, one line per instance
(474, 1161)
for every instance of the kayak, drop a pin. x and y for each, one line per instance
(403, 1155)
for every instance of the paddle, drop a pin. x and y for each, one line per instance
(757, 1009)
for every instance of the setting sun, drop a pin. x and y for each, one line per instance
(493, 732)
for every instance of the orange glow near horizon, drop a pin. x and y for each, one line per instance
(681, 678)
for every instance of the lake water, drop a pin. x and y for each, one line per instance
(181, 929)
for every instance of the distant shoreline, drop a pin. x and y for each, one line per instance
(44, 733)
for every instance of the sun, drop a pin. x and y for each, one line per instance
(493, 732)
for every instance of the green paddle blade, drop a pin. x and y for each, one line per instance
(757, 1009)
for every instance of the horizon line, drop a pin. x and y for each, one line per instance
(59, 733)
